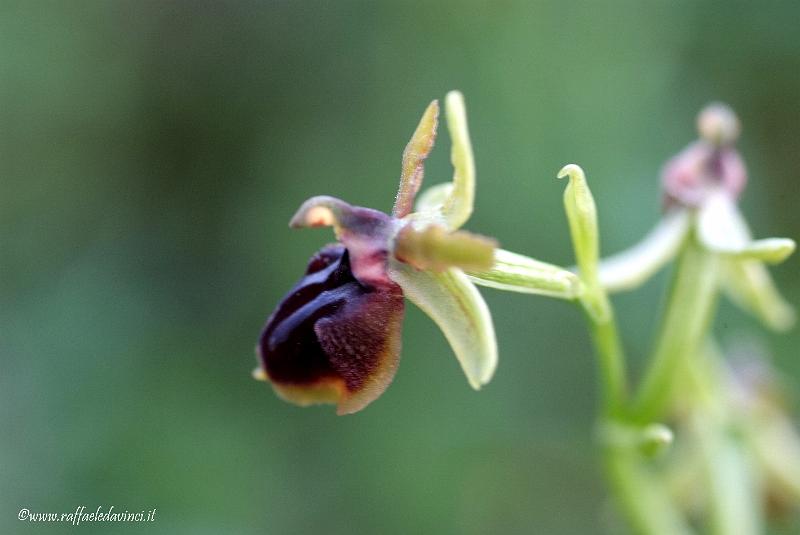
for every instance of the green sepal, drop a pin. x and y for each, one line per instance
(632, 267)
(517, 273)
(456, 306)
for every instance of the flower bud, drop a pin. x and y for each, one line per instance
(656, 439)
(717, 123)
(582, 218)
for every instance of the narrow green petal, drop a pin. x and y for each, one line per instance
(456, 306)
(631, 268)
(582, 217)
(749, 284)
(458, 206)
(723, 230)
(517, 273)
(451, 203)
(769, 250)
(414, 157)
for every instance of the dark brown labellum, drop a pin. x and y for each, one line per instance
(332, 338)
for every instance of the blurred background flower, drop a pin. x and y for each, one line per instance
(149, 150)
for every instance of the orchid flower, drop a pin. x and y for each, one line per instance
(335, 337)
(701, 186)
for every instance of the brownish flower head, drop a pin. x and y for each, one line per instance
(335, 337)
(708, 165)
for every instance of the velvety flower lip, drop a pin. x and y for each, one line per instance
(335, 337)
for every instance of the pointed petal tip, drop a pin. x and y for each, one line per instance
(319, 211)
(573, 171)
(722, 229)
(770, 250)
(316, 216)
(581, 214)
(459, 204)
(482, 377)
(784, 247)
(454, 100)
(414, 156)
(432, 113)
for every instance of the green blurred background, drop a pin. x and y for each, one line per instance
(151, 154)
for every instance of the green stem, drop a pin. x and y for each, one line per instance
(641, 496)
(733, 492)
(686, 321)
(611, 361)
(638, 493)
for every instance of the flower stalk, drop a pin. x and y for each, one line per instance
(684, 326)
